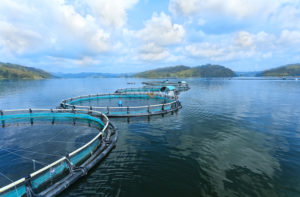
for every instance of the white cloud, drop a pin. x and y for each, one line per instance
(239, 46)
(84, 61)
(160, 30)
(53, 25)
(18, 40)
(235, 8)
(288, 37)
(159, 33)
(111, 12)
(153, 52)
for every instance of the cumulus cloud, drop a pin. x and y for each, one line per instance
(235, 8)
(52, 25)
(160, 30)
(290, 37)
(84, 61)
(239, 46)
(159, 33)
(18, 40)
(113, 12)
(153, 52)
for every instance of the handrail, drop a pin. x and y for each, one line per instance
(22, 180)
(65, 102)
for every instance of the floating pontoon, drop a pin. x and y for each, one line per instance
(59, 175)
(95, 102)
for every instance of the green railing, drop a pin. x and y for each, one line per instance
(57, 176)
(126, 111)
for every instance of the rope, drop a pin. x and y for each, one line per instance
(10, 181)
(33, 152)
(42, 163)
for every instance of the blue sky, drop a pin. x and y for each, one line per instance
(124, 36)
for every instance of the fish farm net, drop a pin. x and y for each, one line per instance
(125, 105)
(44, 151)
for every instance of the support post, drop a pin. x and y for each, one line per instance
(31, 119)
(3, 122)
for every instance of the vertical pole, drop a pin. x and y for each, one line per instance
(33, 162)
(51, 110)
(107, 110)
(127, 110)
(31, 119)
(3, 122)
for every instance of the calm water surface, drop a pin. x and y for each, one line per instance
(232, 138)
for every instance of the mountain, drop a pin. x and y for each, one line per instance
(91, 75)
(163, 72)
(185, 71)
(248, 74)
(283, 71)
(14, 71)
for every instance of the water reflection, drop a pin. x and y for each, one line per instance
(231, 138)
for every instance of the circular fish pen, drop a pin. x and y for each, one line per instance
(180, 85)
(167, 90)
(44, 178)
(125, 104)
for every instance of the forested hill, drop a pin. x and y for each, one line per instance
(13, 71)
(185, 71)
(283, 71)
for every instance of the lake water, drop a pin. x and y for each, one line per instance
(231, 138)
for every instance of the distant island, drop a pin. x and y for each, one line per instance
(290, 70)
(185, 71)
(91, 75)
(13, 71)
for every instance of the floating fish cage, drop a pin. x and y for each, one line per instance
(125, 104)
(180, 85)
(145, 90)
(53, 178)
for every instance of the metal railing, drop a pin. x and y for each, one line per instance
(57, 176)
(173, 104)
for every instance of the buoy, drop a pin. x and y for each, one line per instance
(150, 94)
(120, 103)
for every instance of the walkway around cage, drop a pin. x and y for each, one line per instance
(59, 175)
(180, 85)
(126, 111)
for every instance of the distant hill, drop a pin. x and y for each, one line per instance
(283, 71)
(185, 71)
(91, 75)
(248, 74)
(13, 71)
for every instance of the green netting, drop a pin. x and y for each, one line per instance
(18, 191)
(72, 102)
(84, 153)
(45, 179)
(48, 175)
(40, 116)
(139, 90)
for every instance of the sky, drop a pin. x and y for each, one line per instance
(126, 36)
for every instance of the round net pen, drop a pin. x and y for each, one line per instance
(167, 90)
(60, 174)
(171, 104)
(180, 85)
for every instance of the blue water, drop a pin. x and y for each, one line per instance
(232, 138)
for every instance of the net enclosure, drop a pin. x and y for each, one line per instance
(55, 177)
(164, 89)
(180, 85)
(125, 104)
